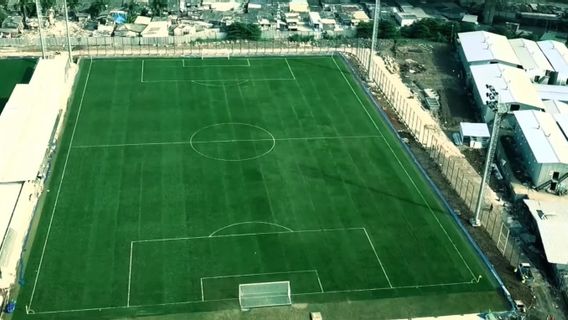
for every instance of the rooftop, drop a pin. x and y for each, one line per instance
(512, 84)
(544, 136)
(550, 92)
(552, 222)
(469, 129)
(480, 46)
(530, 55)
(556, 53)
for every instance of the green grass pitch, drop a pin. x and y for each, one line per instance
(12, 72)
(179, 179)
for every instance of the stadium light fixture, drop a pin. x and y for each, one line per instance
(374, 36)
(500, 109)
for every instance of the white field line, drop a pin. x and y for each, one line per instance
(60, 185)
(319, 281)
(223, 141)
(142, 72)
(129, 273)
(377, 256)
(250, 222)
(290, 68)
(202, 291)
(236, 299)
(218, 65)
(245, 234)
(404, 169)
(259, 274)
(219, 80)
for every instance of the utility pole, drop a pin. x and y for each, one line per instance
(500, 110)
(375, 34)
(41, 37)
(67, 30)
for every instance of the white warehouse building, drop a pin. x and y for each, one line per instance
(513, 86)
(483, 48)
(543, 147)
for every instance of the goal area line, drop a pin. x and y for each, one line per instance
(198, 81)
(99, 309)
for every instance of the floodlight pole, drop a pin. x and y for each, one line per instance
(41, 37)
(67, 30)
(500, 110)
(374, 37)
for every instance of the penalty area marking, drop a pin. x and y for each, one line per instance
(404, 169)
(286, 231)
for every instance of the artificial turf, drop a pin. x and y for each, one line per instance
(176, 180)
(12, 72)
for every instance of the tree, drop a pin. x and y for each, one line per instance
(364, 30)
(387, 30)
(27, 8)
(97, 7)
(159, 6)
(72, 4)
(243, 31)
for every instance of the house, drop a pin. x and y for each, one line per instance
(405, 19)
(221, 5)
(512, 84)
(543, 147)
(481, 47)
(299, 6)
(315, 20)
(143, 20)
(557, 54)
(156, 29)
(15, 23)
(532, 59)
(129, 30)
(292, 20)
(474, 135)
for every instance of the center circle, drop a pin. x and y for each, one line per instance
(232, 141)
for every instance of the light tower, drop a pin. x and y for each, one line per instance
(67, 30)
(374, 36)
(40, 27)
(500, 110)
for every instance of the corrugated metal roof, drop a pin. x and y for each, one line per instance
(530, 55)
(543, 135)
(512, 84)
(550, 92)
(555, 106)
(480, 46)
(28, 119)
(552, 221)
(556, 53)
(469, 129)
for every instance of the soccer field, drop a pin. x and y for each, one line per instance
(178, 179)
(12, 72)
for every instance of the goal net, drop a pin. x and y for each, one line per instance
(264, 294)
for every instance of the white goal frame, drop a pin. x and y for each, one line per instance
(265, 297)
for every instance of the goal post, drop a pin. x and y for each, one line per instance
(264, 294)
